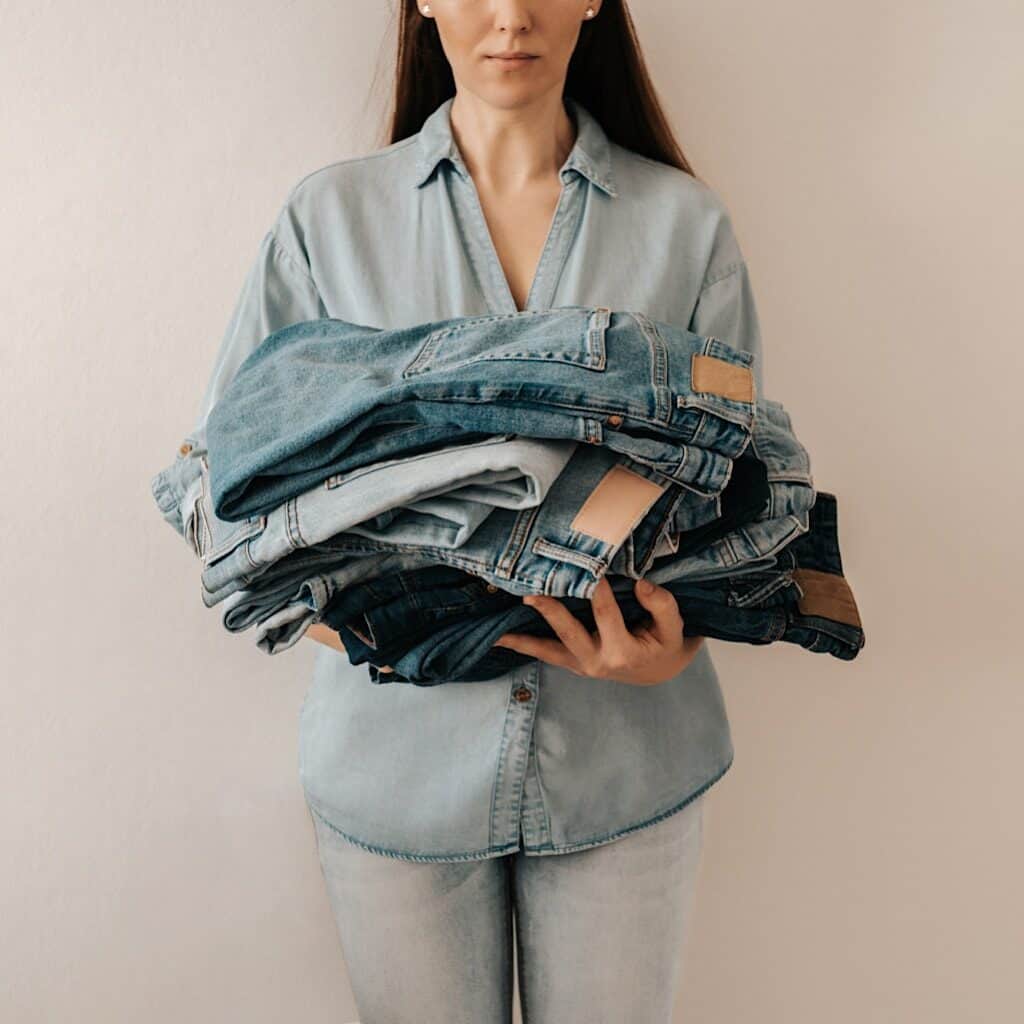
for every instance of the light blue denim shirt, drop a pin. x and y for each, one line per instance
(539, 759)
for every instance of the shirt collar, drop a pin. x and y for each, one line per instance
(590, 154)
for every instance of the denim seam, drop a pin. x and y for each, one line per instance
(472, 565)
(434, 610)
(489, 851)
(778, 625)
(202, 527)
(766, 589)
(519, 534)
(593, 564)
(292, 527)
(485, 276)
(588, 410)
(556, 270)
(587, 361)
(331, 483)
(498, 770)
(537, 668)
(597, 841)
(297, 263)
(669, 516)
(727, 271)
(827, 626)
(402, 144)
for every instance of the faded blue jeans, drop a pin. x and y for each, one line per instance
(323, 397)
(600, 933)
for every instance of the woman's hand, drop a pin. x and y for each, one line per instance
(652, 654)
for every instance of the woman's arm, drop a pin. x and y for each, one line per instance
(278, 290)
(725, 307)
(326, 635)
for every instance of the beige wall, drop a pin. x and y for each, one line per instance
(862, 860)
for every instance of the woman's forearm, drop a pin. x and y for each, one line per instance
(325, 635)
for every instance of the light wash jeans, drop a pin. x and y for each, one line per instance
(327, 396)
(600, 933)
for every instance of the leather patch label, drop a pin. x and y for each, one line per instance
(720, 377)
(828, 595)
(616, 504)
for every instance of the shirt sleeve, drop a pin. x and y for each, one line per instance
(725, 307)
(278, 290)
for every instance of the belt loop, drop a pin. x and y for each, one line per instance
(596, 326)
(599, 317)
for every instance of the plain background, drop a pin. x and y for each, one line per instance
(862, 858)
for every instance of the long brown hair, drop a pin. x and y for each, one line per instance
(606, 74)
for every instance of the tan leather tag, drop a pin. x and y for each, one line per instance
(615, 504)
(720, 377)
(828, 595)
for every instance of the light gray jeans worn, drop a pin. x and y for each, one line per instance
(599, 932)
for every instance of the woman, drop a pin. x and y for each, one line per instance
(529, 166)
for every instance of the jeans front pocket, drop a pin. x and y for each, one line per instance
(571, 334)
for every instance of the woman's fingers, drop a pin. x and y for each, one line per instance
(611, 627)
(552, 651)
(662, 606)
(653, 652)
(573, 634)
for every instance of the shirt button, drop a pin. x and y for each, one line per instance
(491, 588)
(185, 448)
(615, 420)
(522, 693)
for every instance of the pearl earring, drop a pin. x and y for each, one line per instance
(590, 12)
(426, 8)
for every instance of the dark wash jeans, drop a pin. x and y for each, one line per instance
(438, 625)
(433, 592)
(324, 396)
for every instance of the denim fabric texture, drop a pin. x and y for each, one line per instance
(753, 545)
(404, 504)
(282, 613)
(764, 514)
(433, 625)
(535, 759)
(434, 500)
(621, 911)
(325, 396)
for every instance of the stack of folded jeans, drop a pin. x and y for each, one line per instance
(408, 486)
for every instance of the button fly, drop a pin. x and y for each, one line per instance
(522, 693)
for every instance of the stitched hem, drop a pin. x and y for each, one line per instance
(529, 851)
(542, 851)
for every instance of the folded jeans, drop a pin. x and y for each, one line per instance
(803, 599)
(325, 396)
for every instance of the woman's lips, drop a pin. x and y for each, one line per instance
(511, 62)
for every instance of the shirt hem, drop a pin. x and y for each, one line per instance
(530, 851)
